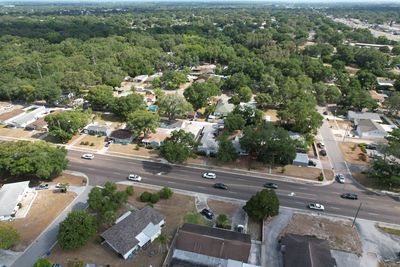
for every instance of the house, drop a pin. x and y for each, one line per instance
(306, 251)
(301, 160)
(38, 125)
(352, 115)
(94, 129)
(384, 83)
(370, 129)
(197, 245)
(223, 108)
(140, 78)
(121, 136)
(133, 231)
(208, 143)
(155, 139)
(10, 196)
(7, 115)
(31, 114)
(206, 69)
(380, 98)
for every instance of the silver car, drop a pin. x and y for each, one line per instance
(316, 206)
(209, 175)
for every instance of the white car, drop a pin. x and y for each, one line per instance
(340, 178)
(88, 156)
(134, 177)
(209, 175)
(316, 206)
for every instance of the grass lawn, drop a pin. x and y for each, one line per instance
(15, 132)
(194, 217)
(391, 231)
(131, 149)
(108, 119)
(296, 171)
(370, 183)
(97, 141)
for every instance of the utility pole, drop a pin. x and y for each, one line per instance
(355, 217)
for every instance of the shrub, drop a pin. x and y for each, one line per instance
(363, 147)
(321, 177)
(154, 198)
(129, 190)
(92, 144)
(8, 236)
(86, 143)
(82, 143)
(166, 193)
(223, 222)
(43, 262)
(137, 147)
(19, 205)
(145, 196)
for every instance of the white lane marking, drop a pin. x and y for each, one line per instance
(91, 169)
(373, 198)
(298, 202)
(198, 186)
(117, 173)
(170, 182)
(233, 192)
(375, 214)
(314, 195)
(335, 208)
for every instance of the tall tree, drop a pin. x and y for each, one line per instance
(143, 122)
(101, 97)
(200, 93)
(123, 106)
(226, 151)
(178, 147)
(173, 105)
(262, 205)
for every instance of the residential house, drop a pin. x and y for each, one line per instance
(121, 136)
(31, 114)
(203, 70)
(9, 114)
(306, 251)
(223, 108)
(352, 115)
(208, 143)
(10, 195)
(38, 125)
(383, 83)
(140, 78)
(301, 160)
(95, 129)
(370, 129)
(197, 245)
(134, 231)
(155, 139)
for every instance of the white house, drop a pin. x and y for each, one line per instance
(370, 129)
(134, 231)
(31, 114)
(351, 115)
(10, 196)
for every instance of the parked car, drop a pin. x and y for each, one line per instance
(59, 185)
(316, 206)
(340, 178)
(349, 196)
(321, 145)
(325, 112)
(42, 187)
(322, 152)
(208, 213)
(220, 186)
(88, 156)
(240, 228)
(209, 175)
(312, 163)
(134, 177)
(372, 147)
(271, 185)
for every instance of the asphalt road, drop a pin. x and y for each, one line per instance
(112, 168)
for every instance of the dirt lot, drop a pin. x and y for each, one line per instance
(222, 207)
(174, 209)
(296, 171)
(339, 233)
(108, 119)
(70, 179)
(10, 114)
(273, 113)
(45, 208)
(131, 149)
(98, 142)
(368, 182)
(353, 154)
(16, 132)
(351, 70)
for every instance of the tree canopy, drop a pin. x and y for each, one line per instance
(262, 205)
(8, 236)
(178, 148)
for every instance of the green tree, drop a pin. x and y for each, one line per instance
(100, 97)
(245, 94)
(234, 122)
(43, 262)
(392, 103)
(366, 79)
(76, 230)
(38, 159)
(64, 125)
(173, 79)
(143, 121)
(198, 94)
(263, 100)
(125, 105)
(269, 144)
(226, 151)
(8, 236)
(166, 193)
(173, 105)
(178, 148)
(262, 205)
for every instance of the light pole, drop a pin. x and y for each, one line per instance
(355, 217)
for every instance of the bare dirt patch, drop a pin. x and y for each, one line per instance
(223, 207)
(45, 208)
(70, 179)
(107, 119)
(97, 141)
(273, 114)
(353, 154)
(174, 209)
(254, 229)
(132, 150)
(339, 233)
(296, 171)
(363, 179)
(15, 132)
(10, 114)
(329, 174)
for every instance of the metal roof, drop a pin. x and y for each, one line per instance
(9, 194)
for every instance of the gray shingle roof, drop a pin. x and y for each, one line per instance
(368, 125)
(122, 236)
(363, 116)
(9, 194)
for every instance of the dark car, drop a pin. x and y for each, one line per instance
(372, 146)
(312, 163)
(349, 196)
(322, 152)
(220, 186)
(271, 185)
(208, 213)
(325, 112)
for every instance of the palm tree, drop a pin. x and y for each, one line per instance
(163, 240)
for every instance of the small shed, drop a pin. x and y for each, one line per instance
(301, 160)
